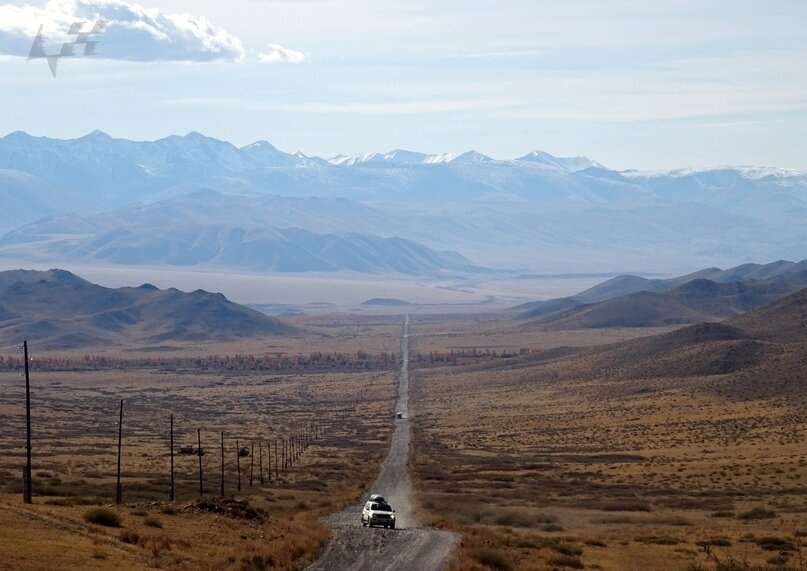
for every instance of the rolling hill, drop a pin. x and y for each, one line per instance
(687, 299)
(59, 310)
(252, 233)
(758, 354)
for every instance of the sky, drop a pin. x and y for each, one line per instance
(629, 83)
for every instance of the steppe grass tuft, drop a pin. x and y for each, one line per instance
(566, 561)
(492, 559)
(103, 516)
(758, 513)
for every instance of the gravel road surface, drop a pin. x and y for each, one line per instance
(409, 546)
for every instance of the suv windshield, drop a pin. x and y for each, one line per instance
(381, 507)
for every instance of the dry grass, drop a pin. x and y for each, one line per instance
(638, 469)
(75, 437)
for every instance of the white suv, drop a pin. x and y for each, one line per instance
(378, 512)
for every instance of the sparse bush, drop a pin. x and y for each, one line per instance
(103, 516)
(168, 510)
(566, 549)
(657, 539)
(758, 513)
(153, 521)
(493, 559)
(626, 506)
(521, 518)
(595, 543)
(714, 542)
(566, 561)
(130, 537)
(722, 513)
(158, 543)
(69, 502)
(773, 543)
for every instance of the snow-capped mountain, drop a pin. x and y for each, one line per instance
(397, 157)
(538, 212)
(569, 164)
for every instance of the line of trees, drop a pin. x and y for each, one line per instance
(459, 356)
(278, 362)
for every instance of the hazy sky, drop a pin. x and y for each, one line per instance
(631, 84)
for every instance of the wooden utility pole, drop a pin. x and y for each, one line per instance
(251, 461)
(285, 456)
(221, 489)
(26, 477)
(260, 460)
(277, 462)
(171, 438)
(199, 453)
(118, 488)
(238, 463)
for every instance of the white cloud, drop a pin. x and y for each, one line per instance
(132, 33)
(278, 54)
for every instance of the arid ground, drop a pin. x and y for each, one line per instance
(675, 452)
(602, 449)
(74, 422)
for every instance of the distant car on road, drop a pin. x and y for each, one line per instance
(399, 415)
(378, 512)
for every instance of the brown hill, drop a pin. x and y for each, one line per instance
(758, 354)
(59, 310)
(782, 277)
(695, 301)
(782, 321)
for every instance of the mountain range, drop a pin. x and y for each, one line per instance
(536, 213)
(59, 310)
(704, 296)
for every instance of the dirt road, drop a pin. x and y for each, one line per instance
(409, 546)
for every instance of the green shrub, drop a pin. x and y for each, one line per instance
(103, 516)
(153, 521)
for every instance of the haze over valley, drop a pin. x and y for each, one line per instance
(198, 202)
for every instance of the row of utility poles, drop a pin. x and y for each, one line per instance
(287, 451)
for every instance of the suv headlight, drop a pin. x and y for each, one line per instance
(392, 516)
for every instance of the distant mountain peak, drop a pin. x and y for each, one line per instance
(568, 164)
(18, 136)
(259, 146)
(471, 157)
(97, 134)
